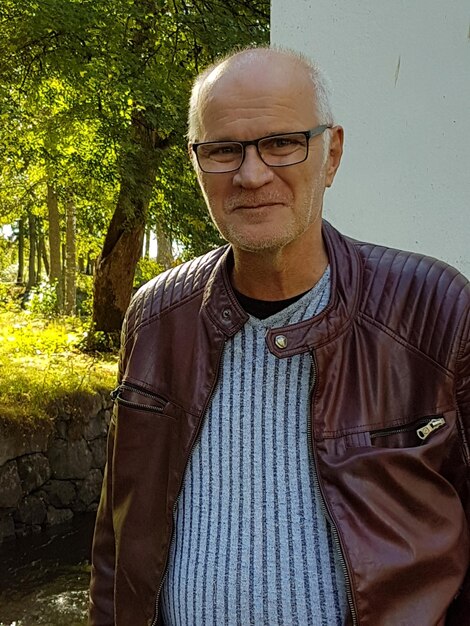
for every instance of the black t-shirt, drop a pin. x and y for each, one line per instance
(264, 308)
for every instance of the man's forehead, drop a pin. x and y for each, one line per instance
(264, 88)
(259, 71)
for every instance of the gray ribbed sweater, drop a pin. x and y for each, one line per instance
(251, 543)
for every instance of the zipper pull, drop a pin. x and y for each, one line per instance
(424, 432)
(115, 393)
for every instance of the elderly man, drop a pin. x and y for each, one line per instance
(290, 438)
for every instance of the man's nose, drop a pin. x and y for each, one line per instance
(253, 172)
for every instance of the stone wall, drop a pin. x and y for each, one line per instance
(52, 470)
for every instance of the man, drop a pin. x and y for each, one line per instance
(290, 440)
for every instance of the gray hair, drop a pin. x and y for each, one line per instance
(319, 80)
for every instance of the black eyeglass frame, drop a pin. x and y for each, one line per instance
(309, 134)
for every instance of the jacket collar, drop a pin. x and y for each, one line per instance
(221, 304)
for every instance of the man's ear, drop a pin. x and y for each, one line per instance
(335, 153)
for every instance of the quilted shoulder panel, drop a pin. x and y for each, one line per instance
(421, 299)
(170, 289)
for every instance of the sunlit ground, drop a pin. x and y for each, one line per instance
(40, 363)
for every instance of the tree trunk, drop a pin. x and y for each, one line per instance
(90, 265)
(164, 251)
(32, 276)
(148, 234)
(20, 275)
(55, 274)
(70, 258)
(45, 260)
(62, 274)
(122, 247)
(39, 238)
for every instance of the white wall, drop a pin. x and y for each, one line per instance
(400, 73)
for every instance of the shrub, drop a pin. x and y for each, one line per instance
(11, 296)
(146, 270)
(4, 293)
(84, 295)
(42, 299)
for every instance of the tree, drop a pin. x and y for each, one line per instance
(164, 251)
(55, 273)
(32, 232)
(124, 240)
(184, 36)
(20, 238)
(70, 258)
(93, 99)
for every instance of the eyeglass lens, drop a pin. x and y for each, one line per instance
(275, 151)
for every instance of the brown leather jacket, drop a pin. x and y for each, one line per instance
(390, 426)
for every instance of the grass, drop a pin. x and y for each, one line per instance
(40, 363)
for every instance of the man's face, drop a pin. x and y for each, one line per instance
(257, 207)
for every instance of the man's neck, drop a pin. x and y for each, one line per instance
(279, 274)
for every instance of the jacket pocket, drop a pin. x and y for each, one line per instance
(408, 435)
(134, 397)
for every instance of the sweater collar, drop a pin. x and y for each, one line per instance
(222, 307)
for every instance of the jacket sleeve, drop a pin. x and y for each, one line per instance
(103, 554)
(460, 609)
(101, 609)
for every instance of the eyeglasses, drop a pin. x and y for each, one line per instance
(219, 157)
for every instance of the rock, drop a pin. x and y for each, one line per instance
(77, 407)
(61, 428)
(7, 527)
(69, 459)
(98, 452)
(21, 530)
(50, 470)
(76, 430)
(32, 511)
(107, 417)
(60, 493)
(107, 400)
(90, 489)
(16, 440)
(96, 427)
(95, 405)
(58, 516)
(10, 485)
(34, 471)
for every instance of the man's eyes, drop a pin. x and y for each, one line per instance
(221, 150)
(282, 142)
(279, 144)
(227, 149)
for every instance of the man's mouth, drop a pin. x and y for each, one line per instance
(257, 205)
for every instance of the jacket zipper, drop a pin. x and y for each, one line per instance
(324, 506)
(423, 427)
(436, 423)
(115, 396)
(196, 439)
